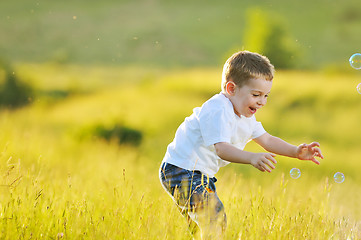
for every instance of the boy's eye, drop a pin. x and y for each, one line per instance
(256, 95)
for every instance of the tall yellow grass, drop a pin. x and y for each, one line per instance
(56, 185)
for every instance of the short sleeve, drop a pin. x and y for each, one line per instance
(215, 125)
(258, 129)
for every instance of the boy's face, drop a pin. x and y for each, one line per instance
(250, 97)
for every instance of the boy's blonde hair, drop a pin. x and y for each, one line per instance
(243, 66)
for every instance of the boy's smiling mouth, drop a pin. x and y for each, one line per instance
(253, 110)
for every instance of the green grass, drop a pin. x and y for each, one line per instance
(57, 185)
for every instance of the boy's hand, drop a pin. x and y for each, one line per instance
(309, 152)
(263, 161)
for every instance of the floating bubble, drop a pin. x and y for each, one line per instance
(355, 61)
(295, 173)
(358, 88)
(339, 177)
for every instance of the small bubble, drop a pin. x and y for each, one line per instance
(358, 88)
(339, 177)
(74, 17)
(295, 173)
(355, 61)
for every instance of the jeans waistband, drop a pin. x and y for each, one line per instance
(165, 164)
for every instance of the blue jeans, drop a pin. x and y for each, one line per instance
(192, 191)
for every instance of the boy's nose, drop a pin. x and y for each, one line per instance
(262, 102)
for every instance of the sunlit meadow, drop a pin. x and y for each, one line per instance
(60, 182)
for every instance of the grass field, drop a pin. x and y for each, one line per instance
(57, 184)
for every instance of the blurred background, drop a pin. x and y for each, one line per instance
(299, 34)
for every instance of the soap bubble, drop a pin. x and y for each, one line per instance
(339, 177)
(355, 61)
(358, 88)
(295, 173)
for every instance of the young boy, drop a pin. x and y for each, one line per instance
(216, 134)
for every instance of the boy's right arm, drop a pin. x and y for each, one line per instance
(261, 161)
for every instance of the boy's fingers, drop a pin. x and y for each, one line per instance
(269, 163)
(314, 144)
(318, 153)
(261, 168)
(266, 162)
(315, 161)
(266, 168)
(271, 157)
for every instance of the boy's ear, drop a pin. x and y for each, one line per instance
(230, 87)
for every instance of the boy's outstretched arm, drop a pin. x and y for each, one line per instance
(261, 161)
(278, 146)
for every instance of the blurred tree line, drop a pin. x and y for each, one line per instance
(13, 92)
(267, 34)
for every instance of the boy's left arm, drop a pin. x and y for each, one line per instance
(278, 146)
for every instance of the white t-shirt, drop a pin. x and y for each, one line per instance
(193, 144)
